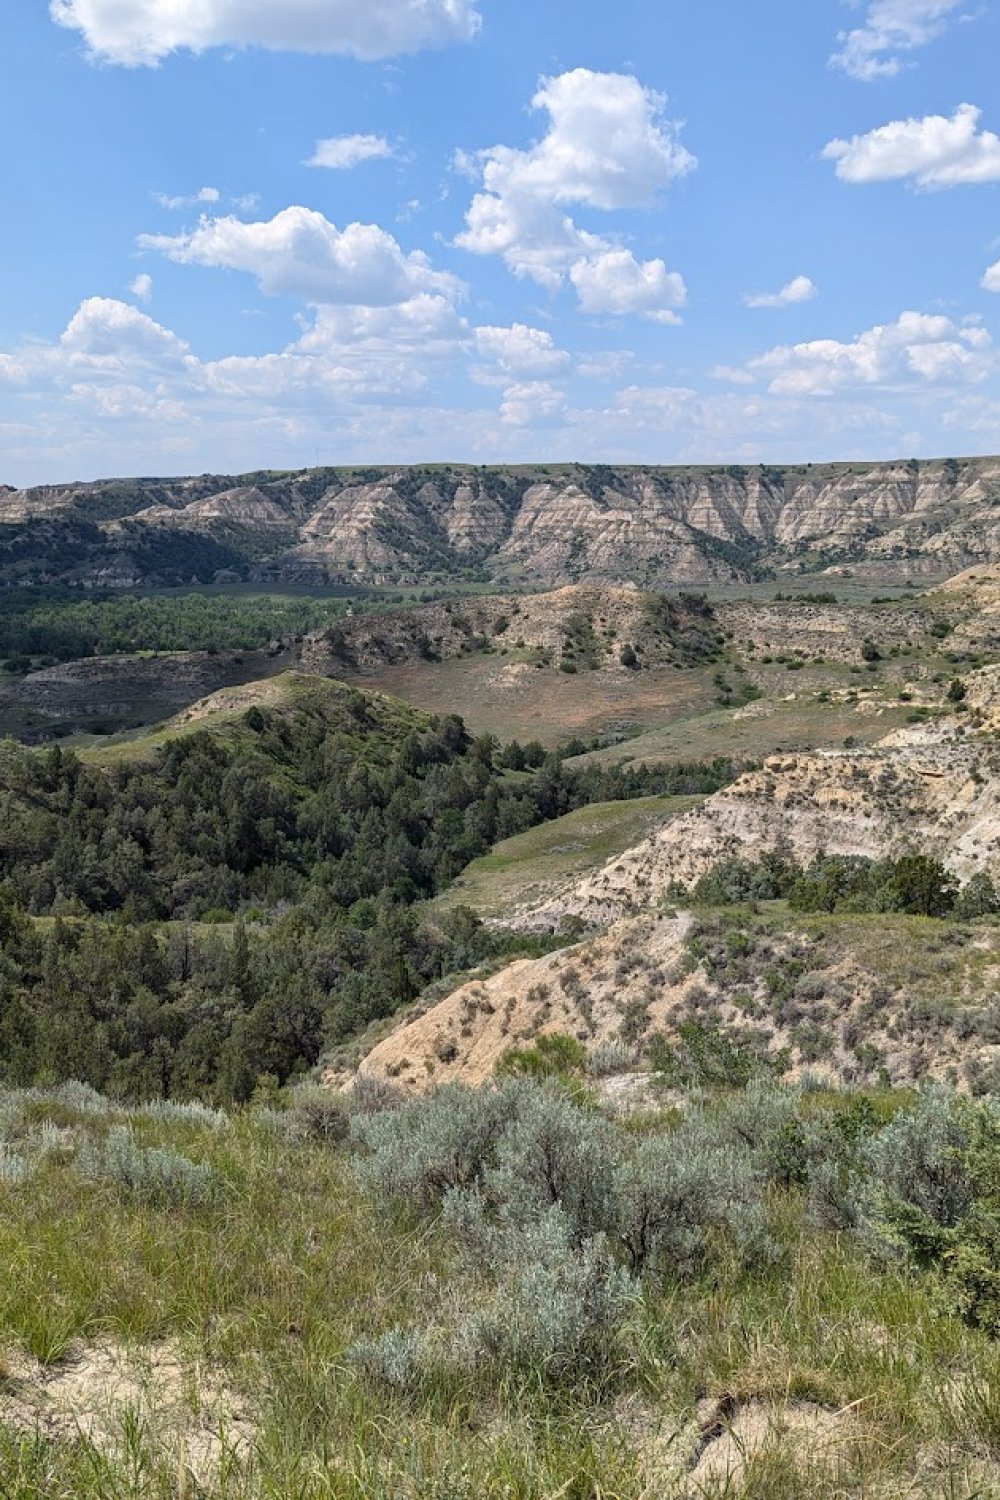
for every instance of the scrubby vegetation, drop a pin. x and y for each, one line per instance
(502, 1294)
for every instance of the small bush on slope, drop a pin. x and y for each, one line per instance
(156, 1175)
(547, 1307)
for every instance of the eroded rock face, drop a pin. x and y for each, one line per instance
(543, 526)
(932, 787)
(923, 791)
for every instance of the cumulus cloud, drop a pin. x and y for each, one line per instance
(117, 361)
(103, 329)
(143, 32)
(105, 338)
(799, 289)
(891, 27)
(142, 287)
(615, 282)
(520, 350)
(341, 152)
(534, 403)
(937, 151)
(203, 195)
(918, 347)
(991, 280)
(609, 146)
(300, 253)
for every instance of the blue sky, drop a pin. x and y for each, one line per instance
(249, 233)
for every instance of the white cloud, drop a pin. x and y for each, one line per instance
(105, 339)
(341, 152)
(104, 330)
(733, 374)
(520, 350)
(991, 279)
(891, 27)
(203, 195)
(615, 282)
(300, 253)
(121, 393)
(658, 407)
(535, 403)
(609, 147)
(799, 289)
(143, 32)
(142, 287)
(917, 347)
(936, 152)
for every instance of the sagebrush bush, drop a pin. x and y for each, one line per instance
(177, 1112)
(321, 1115)
(557, 1307)
(542, 1307)
(79, 1097)
(156, 1175)
(14, 1168)
(675, 1190)
(610, 1058)
(918, 1160)
(417, 1152)
(552, 1153)
(371, 1094)
(507, 1156)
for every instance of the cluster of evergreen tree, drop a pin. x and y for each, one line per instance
(61, 626)
(321, 826)
(917, 884)
(144, 1011)
(281, 809)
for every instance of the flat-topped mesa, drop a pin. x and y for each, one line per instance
(538, 525)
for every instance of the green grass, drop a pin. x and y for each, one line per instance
(544, 703)
(517, 869)
(271, 1286)
(290, 692)
(763, 727)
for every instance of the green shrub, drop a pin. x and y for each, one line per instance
(554, 1055)
(977, 898)
(426, 1147)
(676, 1190)
(154, 1175)
(706, 1055)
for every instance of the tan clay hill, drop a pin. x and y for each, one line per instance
(541, 525)
(871, 988)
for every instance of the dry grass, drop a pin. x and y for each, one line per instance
(513, 700)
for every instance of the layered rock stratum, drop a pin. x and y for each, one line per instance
(539, 525)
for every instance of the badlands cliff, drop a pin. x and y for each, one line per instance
(539, 525)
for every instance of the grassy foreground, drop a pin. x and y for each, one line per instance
(276, 1275)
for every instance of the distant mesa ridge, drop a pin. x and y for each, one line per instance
(542, 525)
